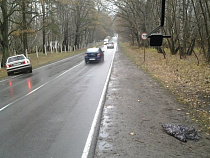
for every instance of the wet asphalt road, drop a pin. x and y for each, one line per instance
(49, 113)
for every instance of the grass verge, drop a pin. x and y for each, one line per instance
(44, 59)
(183, 77)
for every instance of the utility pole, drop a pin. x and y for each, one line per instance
(156, 39)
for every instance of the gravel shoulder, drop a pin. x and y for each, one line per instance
(135, 109)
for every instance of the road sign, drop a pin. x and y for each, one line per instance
(144, 36)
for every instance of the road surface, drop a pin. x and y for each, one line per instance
(49, 113)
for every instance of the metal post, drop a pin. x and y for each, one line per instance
(144, 52)
(45, 50)
(26, 53)
(163, 13)
(51, 49)
(37, 54)
(61, 48)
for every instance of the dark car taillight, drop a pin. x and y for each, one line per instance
(98, 54)
(25, 62)
(85, 54)
(8, 66)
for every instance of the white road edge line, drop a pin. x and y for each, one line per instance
(95, 120)
(39, 87)
(58, 61)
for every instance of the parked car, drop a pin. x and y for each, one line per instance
(110, 45)
(94, 55)
(18, 63)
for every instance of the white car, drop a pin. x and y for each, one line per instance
(18, 63)
(110, 45)
(106, 41)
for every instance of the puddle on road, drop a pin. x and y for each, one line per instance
(115, 89)
(103, 145)
(103, 135)
(105, 123)
(108, 107)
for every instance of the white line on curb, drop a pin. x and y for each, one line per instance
(96, 117)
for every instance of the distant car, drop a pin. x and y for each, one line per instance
(110, 45)
(94, 55)
(18, 63)
(106, 41)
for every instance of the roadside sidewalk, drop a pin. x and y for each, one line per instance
(136, 106)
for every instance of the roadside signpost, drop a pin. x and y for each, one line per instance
(144, 37)
(156, 39)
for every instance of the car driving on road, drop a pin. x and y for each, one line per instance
(94, 55)
(106, 41)
(18, 63)
(110, 45)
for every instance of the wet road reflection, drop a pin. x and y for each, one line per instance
(21, 84)
(11, 88)
(29, 84)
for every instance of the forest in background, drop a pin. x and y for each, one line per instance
(187, 21)
(25, 24)
(50, 24)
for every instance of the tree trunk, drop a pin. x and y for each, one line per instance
(181, 35)
(76, 37)
(43, 29)
(4, 31)
(199, 27)
(24, 27)
(66, 31)
(206, 29)
(191, 47)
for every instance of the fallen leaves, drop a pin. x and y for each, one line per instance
(132, 133)
(183, 77)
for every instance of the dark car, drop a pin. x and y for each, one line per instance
(94, 55)
(110, 45)
(18, 63)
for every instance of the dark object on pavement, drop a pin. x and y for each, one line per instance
(180, 132)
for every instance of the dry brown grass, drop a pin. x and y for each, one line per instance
(189, 81)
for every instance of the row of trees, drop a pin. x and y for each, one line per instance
(25, 24)
(187, 21)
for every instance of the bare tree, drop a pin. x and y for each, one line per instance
(187, 21)
(7, 9)
(67, 22)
